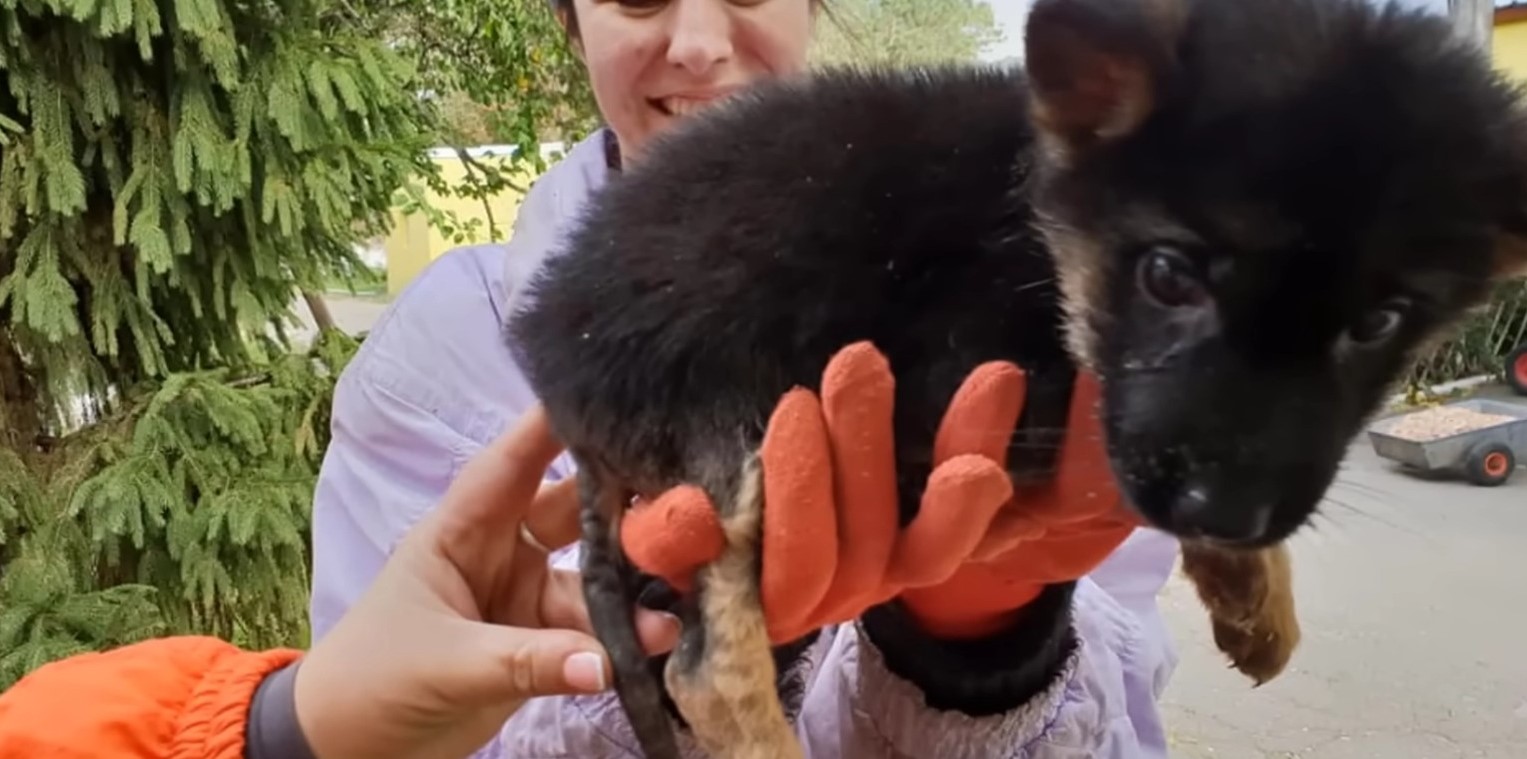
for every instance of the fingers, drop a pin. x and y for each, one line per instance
(1084, 485)
(981, 416)
(1009, 527)
(966, 492)
(800, 530)
(674, 535)
(523, 663)
(1066, 554)
(1084, 451)
(498, 485)
(858, 397)
(553, 516)
(530, 663)
(962, 496)
(563, 606)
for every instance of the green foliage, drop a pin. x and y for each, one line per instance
(173, 168)
(905, 32)
(1478, 347)
(502, 71)
(509, 57)
(187, 512)
(172, 172)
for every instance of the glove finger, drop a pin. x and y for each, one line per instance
(674, 535)
(858, 399)
(962, 496)
(1064, 554)
(800, 530)
(1009, 528)
(1083, 487)
(981, 416)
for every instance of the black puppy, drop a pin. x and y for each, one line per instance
(1245, 216)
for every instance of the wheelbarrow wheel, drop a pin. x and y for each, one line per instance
(1491, 464)
(1516, 369)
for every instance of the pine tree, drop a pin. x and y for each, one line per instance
(172, 172)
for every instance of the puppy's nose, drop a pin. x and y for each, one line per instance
(1199, 511)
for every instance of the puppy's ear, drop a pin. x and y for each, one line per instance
(1097, 67)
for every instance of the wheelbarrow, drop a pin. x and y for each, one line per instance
(1456, 438)
(1516, 369)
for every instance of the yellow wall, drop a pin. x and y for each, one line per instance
(414, 242)
(1509, 47)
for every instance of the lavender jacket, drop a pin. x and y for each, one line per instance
(434, 382)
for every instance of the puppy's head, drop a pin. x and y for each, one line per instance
(1260, 211)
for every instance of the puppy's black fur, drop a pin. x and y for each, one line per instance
(1245, 216)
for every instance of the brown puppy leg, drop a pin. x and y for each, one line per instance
(726, 688)
(1250, 597)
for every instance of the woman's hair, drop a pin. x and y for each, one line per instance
(565, 9)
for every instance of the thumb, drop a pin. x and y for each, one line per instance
(509, 664)
(673, 536)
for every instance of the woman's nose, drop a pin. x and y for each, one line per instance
(701, 36)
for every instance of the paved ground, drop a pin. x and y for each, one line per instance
(351, 313)
(1413, 596)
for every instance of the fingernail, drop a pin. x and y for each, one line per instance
(585, 671)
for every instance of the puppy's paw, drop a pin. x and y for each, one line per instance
(1250, 598)
(1259, 647)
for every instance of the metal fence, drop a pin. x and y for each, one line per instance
(1480, 345)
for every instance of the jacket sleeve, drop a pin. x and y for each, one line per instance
(167, 698)
(856, 706)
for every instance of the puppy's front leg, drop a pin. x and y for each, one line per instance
(722, 675)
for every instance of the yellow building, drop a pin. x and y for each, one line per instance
(1509, 43)
(414, 242)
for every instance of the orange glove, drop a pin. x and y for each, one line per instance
(832, 546)
(1055, 532)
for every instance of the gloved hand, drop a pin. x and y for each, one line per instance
(1049, 533)
(832, 546)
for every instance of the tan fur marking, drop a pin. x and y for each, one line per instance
(1079, 266)
(730, 699)
(1110, 103)
(1250, 598)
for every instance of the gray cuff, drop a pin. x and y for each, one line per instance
(272, 732)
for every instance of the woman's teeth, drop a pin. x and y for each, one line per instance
(683, 106)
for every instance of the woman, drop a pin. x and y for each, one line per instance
(434, 382)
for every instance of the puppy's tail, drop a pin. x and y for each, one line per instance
(612, 610)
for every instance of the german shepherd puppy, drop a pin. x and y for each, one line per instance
(1245, 217)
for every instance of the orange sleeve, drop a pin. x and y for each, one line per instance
(167, 698)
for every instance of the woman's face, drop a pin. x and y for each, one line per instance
(653, 61)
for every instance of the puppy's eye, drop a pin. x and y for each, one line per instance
(1378, 324)
(1169, 278)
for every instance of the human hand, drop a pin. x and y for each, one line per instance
(465, 622)
(832, 546)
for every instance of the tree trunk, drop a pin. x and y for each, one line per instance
(20, 414)
(320, 310)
